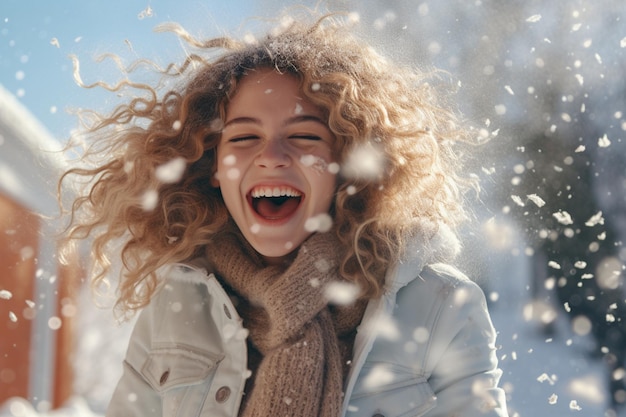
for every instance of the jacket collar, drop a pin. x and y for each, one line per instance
(443, 245)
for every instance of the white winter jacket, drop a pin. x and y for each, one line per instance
(426, 348)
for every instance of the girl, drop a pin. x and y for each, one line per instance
(284, 215)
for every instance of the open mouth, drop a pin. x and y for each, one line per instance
(274, 203)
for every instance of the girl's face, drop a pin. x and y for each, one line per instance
(273, 163)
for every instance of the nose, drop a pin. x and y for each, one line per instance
(273, 154)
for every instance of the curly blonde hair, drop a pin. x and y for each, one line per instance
(370, 103)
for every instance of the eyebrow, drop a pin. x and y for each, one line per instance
(291, 120)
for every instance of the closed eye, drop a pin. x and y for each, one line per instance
(242, 138)
(307, 137)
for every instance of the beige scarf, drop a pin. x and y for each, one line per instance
(301, 370)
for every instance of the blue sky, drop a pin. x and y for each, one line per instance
(39, 72)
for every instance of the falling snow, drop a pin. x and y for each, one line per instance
(379, 375)
(569, 382)
(534, 18)
(536, 199)
(364, 162)
(341, 293)
(172, 171)
(517, 200)
(563, 217)
(147, 12)
(595, 219)
(149, 200)
(573, 405)
(546, 378)
(319, 223)
(604, 142)
(554, 265)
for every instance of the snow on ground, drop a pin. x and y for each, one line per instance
(19, 407)
(543, 375)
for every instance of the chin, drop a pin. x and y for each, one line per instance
(277, 252)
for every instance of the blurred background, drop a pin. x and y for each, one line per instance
(543, 80)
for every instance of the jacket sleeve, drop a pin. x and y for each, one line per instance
(133, 395)
(461, 358)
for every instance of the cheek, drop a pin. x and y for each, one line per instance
(319, 164)
(228, 174)
(326, 185)
(227, 169)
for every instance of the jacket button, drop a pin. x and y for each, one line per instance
(222, 394)
(227, 312)
(164, 377)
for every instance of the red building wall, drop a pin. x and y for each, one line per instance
(20, 234)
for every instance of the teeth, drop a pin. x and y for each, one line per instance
(274, 192)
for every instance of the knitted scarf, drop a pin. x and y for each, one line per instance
(286, 312)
